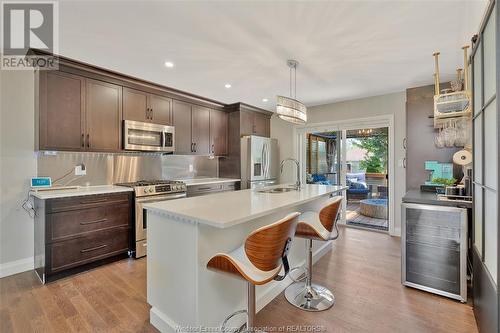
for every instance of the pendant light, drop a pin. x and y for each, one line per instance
(288, 108)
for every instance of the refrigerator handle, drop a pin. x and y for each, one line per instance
(266, 161)
(263, 160)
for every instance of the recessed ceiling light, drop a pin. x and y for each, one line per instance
(169, 64)
(227, 85)
(265, 100)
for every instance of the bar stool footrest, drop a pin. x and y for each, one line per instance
(310, 298)
(224, 323)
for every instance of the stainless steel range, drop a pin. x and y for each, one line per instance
(147, 191)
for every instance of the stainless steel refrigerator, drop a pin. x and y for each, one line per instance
(259, 161)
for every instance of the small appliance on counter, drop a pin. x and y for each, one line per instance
(147, 191)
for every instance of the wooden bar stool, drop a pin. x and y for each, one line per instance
(318, 226)
(258, 261)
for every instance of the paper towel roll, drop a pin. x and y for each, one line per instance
(462, 157)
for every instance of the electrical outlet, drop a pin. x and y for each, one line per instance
(80, 171)
(191, 168)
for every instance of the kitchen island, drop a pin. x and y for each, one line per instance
(184, 234)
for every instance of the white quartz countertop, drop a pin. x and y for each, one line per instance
(227, 209)
(80, 190)
(206, 181)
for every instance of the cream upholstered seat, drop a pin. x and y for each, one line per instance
(314, 226)
(259, 260)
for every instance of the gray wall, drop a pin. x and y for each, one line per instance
(420, 136)
(17, 165)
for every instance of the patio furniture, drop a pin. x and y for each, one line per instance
(382, 191)
(358, 189)
(376, 208)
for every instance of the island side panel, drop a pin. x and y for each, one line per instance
(171, 272)
(222, 294)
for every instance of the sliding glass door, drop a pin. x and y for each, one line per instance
(485, 82)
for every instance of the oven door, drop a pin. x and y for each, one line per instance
(140, 136)
(141, 220)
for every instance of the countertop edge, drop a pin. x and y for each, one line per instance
(83, 191)
(417, 197)
(182, 217)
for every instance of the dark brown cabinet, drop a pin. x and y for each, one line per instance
(135, 105)
(200, 124)
(76, 233)
(261, 125)
(218, 132)
(255, 123)
(182, 123)
(192, 128)
(103, 108)
(142, 106)
(243, 119)
(77, 113)
(61, 110)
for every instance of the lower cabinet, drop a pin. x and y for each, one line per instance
(73, 234)
(198, 190)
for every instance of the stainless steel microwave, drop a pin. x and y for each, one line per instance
(140, 136)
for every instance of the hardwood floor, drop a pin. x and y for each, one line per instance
(363, 271)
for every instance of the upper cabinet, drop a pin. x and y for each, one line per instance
(218, 132)
(103, 108)
(76, 113)
(255, 123)
(199, 130)
(142, 106)
(161, 109)
(80, 107)
(61, 111)
(182, 124)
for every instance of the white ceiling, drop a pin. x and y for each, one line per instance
(346, 49)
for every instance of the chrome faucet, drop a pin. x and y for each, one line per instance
(297, 183)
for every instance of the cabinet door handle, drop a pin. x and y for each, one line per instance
(83, 140)
(195, 147)
(151, 113)
(92, 222)
(192, 149)
(404, 143)
(404, 163)
(88, 140)
(147, 113)
(93, 248)
(213, 148)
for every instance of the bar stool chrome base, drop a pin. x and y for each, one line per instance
(310, 298)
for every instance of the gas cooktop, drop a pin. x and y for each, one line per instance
(155, 187)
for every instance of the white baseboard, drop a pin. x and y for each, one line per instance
(16, 266)
(166, 325)
(162, 322)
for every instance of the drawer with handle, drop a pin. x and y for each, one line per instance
(204, 189)
(74, 223)
(91, 247)
(84, 202)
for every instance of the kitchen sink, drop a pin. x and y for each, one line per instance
(278, 190)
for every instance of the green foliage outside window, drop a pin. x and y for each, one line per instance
(375, 160)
